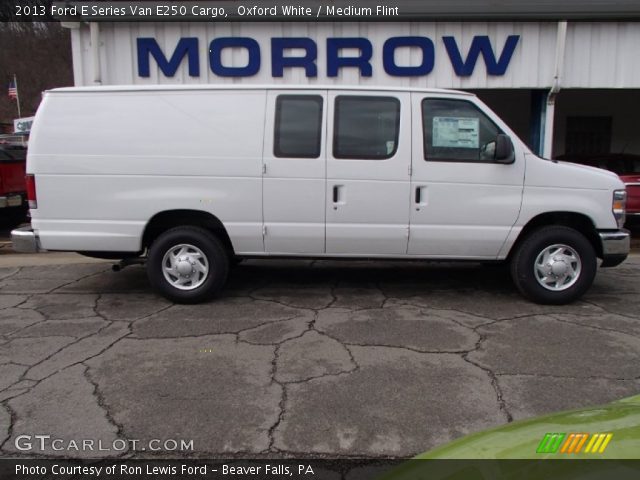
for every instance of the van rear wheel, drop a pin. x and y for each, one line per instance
(554, 265)
(187, 264)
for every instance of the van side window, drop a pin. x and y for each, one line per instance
(298, 126)
(457, 131)
(366, 127)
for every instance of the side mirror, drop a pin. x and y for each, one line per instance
(505, 153)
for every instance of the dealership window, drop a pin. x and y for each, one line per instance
(588, 136)
(298, 127)
(457, 131)
(366, 127)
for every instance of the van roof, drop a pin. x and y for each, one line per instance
(195, 87)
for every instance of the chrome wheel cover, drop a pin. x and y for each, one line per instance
(557, 267)
(185, 266)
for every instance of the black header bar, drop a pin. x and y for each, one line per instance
(322, 10)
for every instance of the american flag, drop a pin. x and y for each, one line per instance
(13, 90)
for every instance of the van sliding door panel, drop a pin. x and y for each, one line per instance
(294, 172)
(368, 160)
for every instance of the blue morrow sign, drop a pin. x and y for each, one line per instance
(463, 65)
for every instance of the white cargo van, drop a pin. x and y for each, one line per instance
(193, 177)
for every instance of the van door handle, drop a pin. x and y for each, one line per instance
(421, 197)
(338, 196)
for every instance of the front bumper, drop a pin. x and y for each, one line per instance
(615, 247)
(25, 240)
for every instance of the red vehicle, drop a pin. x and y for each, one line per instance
(13, 188)
(627, 166)
(632, 181)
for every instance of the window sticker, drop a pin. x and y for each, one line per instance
(456, 132)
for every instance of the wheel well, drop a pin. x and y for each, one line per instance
(163, 221)
(577, 221)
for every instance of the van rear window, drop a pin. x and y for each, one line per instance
(298, 127)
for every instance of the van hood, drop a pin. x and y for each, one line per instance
(589, 168)
(560, 174)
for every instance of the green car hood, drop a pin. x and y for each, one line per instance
(510, 452)
(520, 440)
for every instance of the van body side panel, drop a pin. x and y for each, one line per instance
(110, 212)
(564, 187)
(568, 187)
(107, 162)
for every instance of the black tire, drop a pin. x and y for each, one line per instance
(523, 264)
(215, 255)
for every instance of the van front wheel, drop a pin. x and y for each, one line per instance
(554, 265)
(187, 264)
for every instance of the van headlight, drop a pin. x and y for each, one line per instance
(619, 206)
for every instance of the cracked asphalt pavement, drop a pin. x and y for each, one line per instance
(302, 359)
